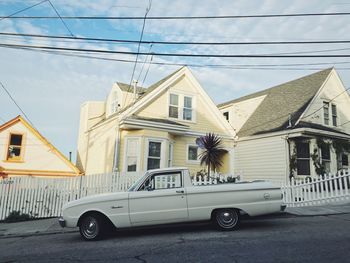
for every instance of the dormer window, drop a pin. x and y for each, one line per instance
(181, 107)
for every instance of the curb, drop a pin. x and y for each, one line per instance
(38, 234)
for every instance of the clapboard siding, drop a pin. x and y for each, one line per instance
(264, 158)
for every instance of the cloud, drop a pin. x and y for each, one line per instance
(51, 88)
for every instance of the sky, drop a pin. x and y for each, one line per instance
(50, 88)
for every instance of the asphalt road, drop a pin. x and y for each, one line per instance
(274, 239)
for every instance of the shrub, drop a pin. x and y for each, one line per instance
(17, 216)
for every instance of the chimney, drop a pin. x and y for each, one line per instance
(135, 90)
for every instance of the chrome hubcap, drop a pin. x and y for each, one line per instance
(90, 227)
(227, 219)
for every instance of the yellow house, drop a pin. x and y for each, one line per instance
(24, 151)
(138, 129)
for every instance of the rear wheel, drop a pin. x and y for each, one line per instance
(227, 219)
(92, 227)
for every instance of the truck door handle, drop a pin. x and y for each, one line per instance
(180, 191)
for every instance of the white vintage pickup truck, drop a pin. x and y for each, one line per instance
(167, 195)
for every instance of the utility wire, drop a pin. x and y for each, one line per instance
(186, 17)
(322, 106)
(58, 14)
(14, 101)
(138, 48)
(144, 63)
(302, 42)
(176, 54)
(221, 66)
(22, 10)
(149, 65)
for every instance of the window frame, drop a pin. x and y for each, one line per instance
(181, 106)
(326, 113)
(160, 158)
(334, 115)
(22, 148)
(187, 154)
(324, 161)
(303, 158)
(173, 105)
(138, 154)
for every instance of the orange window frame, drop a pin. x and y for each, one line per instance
(15, 158)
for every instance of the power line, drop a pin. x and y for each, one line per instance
(221, 66)
(327, 101)
(22, 10)
(185, 17)
(302, 42)
(14, 101)
(58, 14)
(176, 54)
(138, 48)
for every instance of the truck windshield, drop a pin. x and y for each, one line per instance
(134, 185)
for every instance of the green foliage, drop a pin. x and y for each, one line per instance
(17, 216)
(213, 151)
(293, 163)
(320, 169)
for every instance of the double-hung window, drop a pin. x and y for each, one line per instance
(334, 115)
(187, 109)
(132, 154)
(174, 106)
(326, 112)
(303, 158)
(181, 107)
(326, 157)
(154, 155)
(344, 160)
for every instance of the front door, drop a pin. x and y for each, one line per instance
(161, 199)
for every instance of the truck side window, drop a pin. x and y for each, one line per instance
(166, 181)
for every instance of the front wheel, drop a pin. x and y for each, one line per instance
(91, 227)
(227, 219)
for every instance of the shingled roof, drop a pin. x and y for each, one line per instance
(128, 88)
(274, 111)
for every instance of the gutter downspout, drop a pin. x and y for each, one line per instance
(116, 152)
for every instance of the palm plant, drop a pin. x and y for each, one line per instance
(213, 151)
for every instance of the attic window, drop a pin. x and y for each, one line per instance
(334, 114)
(14, 152)
(174, 106)
(326, 112)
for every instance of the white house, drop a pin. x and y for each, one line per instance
(300, 128)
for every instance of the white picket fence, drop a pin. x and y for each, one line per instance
(317, 191)
(44, 197)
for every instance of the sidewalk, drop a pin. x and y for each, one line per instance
(51, 226)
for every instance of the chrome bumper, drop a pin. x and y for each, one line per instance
(62, 222)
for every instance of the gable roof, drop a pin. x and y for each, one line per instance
(127, 88)
(288, 100)
(41, 138)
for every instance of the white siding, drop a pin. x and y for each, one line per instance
(264, 158)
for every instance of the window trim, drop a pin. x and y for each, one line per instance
(303, 159)
(334, 115)
(324, 103)
(162, 151)
(181, 100)
(187, 155)
(21, 156)
(138, 162)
